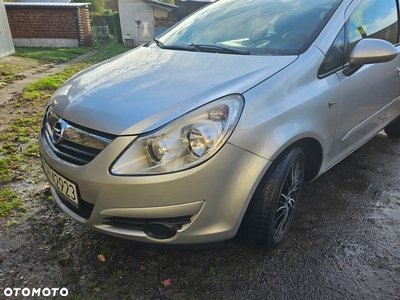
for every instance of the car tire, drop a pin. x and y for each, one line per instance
(393, 129)
(271, 209)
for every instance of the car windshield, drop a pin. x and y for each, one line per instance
(259, 27)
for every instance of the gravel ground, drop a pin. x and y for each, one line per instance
(344, 244)
(31, 72)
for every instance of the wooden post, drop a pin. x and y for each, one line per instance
(87, 31)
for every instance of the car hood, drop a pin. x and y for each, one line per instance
(145, 88)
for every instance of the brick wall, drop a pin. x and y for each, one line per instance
(165, 22)
(50, 22)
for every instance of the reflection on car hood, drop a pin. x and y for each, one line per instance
(144, 89)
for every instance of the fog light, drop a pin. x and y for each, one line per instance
(161, 230)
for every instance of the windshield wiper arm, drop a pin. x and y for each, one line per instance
(174, 47)
(159, 43)
(219, 49)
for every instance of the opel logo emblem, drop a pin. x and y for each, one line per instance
(58, 131)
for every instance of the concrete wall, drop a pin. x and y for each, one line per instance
(137, 22)
(6, 43)
(56, 43)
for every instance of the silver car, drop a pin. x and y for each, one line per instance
(216, 124)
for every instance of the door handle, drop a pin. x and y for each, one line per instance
(398, 70)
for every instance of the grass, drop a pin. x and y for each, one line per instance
(10, 74)
(47, 55)
(47, 83)
(61, 55)
(106, 52)
(9, 164)
(10, 202)
(42, 55)
(18, 140)
(12, 223)
(213, 271)
(51, 83)
(30, 96)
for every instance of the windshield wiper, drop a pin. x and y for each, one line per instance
(173, 47)
(201, 48)
(218, 49)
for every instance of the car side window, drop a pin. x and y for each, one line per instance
(335, 56)
(373, 19)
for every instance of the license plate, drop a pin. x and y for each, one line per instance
(63, 185)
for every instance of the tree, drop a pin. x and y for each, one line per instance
(95, 5)
(111, 4)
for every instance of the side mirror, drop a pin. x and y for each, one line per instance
(370, 51)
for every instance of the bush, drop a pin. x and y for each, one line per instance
(103, 20)
(100, 34)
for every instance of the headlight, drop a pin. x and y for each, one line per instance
(183, 143)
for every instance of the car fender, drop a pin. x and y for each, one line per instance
(291, 106)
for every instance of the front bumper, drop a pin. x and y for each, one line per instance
(213, 195)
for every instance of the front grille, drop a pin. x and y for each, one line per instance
(138, 223)
(70, 142)
(84, 209)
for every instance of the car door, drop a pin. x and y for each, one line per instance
(370, 96)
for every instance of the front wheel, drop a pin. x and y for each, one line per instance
(271, 210)
(393, 129)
